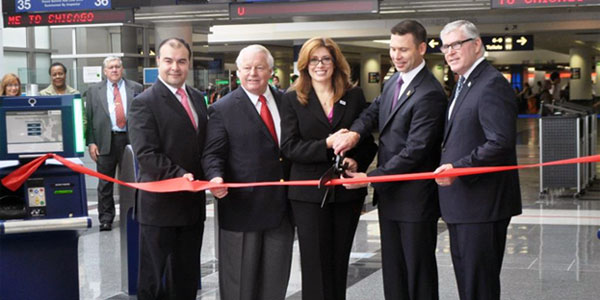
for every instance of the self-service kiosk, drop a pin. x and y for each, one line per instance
(41, 221)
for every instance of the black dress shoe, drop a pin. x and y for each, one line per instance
(105, 227)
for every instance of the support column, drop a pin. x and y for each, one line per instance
(283, 70)
(370, 75)
(129, 45)
(180, 30)
(580, 85)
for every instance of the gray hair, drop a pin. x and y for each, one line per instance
(255, 48)
(467, 28)
(111, 58)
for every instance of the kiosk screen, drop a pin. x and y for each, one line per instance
(34, 131)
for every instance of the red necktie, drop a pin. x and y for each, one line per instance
(265, 114)
(119, 111)
(186, 106)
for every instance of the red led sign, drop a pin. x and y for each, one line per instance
(68, 18)
(254, 10)
(540, 3)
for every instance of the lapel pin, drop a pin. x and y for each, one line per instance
(408, 93)
(469, 84)
(342, 102)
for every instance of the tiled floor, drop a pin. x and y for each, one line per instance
(552, 251)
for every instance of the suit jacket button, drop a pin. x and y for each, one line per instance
(444, 149)
(281, 180)
(281, 159)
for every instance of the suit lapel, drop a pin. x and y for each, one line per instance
(339, 108)
(244, 103)
(470, 81)
(407, 94)
(128, 93)
(102, 96)
(172, 101)
(315, 108)
(388, 98)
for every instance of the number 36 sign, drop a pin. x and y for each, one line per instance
(22, 6)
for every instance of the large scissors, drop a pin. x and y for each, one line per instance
(334, 172)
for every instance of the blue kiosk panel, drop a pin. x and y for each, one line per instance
(40, 222)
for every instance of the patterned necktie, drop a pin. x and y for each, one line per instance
(459, 87)
(265, 114)
(186, 106)
(397, 93)
(119, 111)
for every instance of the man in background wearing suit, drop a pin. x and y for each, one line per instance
(242, 145)
(167, 126)
(409, 115)
(106, 111)
(480, 131)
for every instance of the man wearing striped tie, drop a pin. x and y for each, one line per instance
(167, 126)
(106, 111)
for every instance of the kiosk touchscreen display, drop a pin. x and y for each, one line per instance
(34, 131)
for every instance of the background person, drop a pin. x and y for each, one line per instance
(10, 85)
(322, 102)
(107, 104)
(58, 86)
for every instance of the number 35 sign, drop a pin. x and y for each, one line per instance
(23, 6)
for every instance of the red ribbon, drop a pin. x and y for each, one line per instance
(15, 179)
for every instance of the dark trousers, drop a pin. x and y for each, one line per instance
(107, 165)
(255, 265)
(169, 262)
(408, 259)
(325, 236)
(477, 253)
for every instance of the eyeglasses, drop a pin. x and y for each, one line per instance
(327, 60)
(455, 46)
(15, 85)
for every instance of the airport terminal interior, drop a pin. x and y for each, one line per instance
(552, 249)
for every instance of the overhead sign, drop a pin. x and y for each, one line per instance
(508, 4)
(508, 43)
(492, 43)
(68, 18)
(255, 10)
(23, 6)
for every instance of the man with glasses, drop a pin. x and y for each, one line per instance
(242, 145)
(409, 115)
(480, 131)
(106, 106)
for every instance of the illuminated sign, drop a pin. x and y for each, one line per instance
(540, 3)
(492, 43)
(257, 10)
(23, 6)
(68, 18)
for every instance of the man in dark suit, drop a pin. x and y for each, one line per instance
(242, 145)
(106, 131)
(409, 115)
(480, 131)
(167, 126)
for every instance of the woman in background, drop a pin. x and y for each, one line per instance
(58, 74)
(10, 85)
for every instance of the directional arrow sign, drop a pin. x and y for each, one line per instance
(522, 42)
(433, 43)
